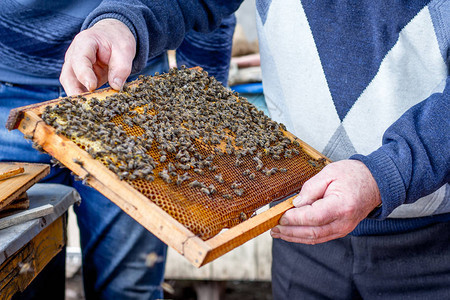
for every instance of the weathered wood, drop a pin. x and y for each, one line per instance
(10, 173)
(21, 203)
(241, 233)
(19, 270)
(151, 216)
(61, 197)
(12, 188)
(27, 215)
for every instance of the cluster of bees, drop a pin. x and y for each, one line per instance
(158, 127)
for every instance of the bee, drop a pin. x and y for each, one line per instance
(171, 167)
(227, 196)
(212, 189)
(219, 178)
(312, 163)
(252, 176)
(242, 216)
(238, 163)
(113, 168)
(199, 171)
(164, 175)
(239, 192)
(77, 161)
(259, 167)
(183, 167)
(163, 158)
(123, 175)
(184, 159)
(180, 179)
(283, 170)
(37, 147)
(152, 259)
(205, 190)
(85, 179)
(195, 184)
(236, 185)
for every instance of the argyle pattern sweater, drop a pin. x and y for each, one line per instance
(367, 78)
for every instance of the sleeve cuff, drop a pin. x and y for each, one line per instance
(389, 181)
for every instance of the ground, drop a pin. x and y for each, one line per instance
(184, 290)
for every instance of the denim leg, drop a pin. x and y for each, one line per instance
(50, 283)
(115, 248)
(13, 146)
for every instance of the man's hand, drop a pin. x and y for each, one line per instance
(330, 204)
(100, 54)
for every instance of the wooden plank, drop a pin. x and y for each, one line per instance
(61, 197)
(21, 203)
(13, 187)
(27, 215)
(245, 231)
(10, 173)
(160, 223)
(17, 272)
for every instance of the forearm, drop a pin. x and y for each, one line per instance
(414, 159)
(161, 25)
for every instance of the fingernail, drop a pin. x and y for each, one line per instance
(284, 221)
(118, 82)
(87, 84)
(297, 201)
(276, 230)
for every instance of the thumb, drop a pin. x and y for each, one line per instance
(312, 190)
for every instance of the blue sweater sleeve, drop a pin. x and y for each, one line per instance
(414, 159)
(159, 25)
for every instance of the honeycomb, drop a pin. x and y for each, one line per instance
(199, 151)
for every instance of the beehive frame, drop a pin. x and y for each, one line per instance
(199, 252)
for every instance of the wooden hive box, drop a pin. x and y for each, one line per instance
(166, 227)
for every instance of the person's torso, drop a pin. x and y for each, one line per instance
(338, 73)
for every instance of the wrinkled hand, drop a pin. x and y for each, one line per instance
(100, 54)
(330, 204)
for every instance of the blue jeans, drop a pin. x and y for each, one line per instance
(114, 246)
